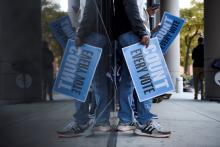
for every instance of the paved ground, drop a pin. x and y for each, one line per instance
(193, 124)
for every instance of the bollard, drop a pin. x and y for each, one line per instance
(179, 85)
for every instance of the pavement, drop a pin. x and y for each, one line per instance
(193, 124)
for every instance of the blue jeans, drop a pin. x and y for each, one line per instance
(126, 89)
(99, 84)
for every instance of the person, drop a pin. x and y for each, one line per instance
(76, 14)
(78, 9)
(48, 70)
(95, 30)
(133, 31)
(88, 108)
(145, 14)
(198, 68)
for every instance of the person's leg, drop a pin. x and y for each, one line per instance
(82, 111)
(50, 84)
(79, 123)
(125, 93)
(100, 83)
(196, 82)
(144, 115)
(201, 79)
(126, 88)
(81, 119)
(143, 109)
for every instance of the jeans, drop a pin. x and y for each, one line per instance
(99, 85)
(126, 89)
(198, 80)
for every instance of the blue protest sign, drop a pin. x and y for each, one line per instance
(169, 29)
(77, 70)
(148, 70)
(62, 30)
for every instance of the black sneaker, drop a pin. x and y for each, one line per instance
(152, 129)
(72, 129)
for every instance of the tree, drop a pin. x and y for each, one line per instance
(49, 12)
(193, 28)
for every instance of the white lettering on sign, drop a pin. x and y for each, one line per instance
(155, 67)
(74, 70)
(168, 29)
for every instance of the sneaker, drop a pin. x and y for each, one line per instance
(72, 129)
(152, 129)
(126, 126)
(105, 127)
(160, 128)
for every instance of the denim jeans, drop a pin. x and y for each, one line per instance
(126, 89)
(99, 84)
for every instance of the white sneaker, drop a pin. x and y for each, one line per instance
(152, 129)
(72, 129)
(126, 126)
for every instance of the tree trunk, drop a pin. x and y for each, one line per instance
(188, 41)
(186, 66)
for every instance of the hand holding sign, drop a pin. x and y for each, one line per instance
(148, 70)
(145, 40)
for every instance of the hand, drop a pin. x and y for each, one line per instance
(145, 40)
(155, 29)
(152, 10)
(78, 42)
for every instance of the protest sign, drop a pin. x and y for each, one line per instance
(148, 70)
(77, 70)
(169, 29)
(62, 30)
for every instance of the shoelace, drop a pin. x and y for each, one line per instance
(149, 128)
(156, 125)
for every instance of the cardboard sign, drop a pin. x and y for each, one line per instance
(77, 70)
(169, 29)
(148, 70)
(62, 30)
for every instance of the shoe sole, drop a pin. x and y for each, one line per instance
(138, 132)
(125, 129)
(165, 132)
(155, 117)
(102, 129)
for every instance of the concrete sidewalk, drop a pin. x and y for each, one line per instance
(193, 124)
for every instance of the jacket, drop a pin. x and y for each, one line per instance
(98, 18)
(198, 56)
(111, 19)
(127, 18)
